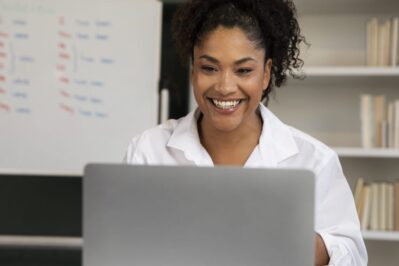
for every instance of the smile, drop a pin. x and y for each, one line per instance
(225, 105)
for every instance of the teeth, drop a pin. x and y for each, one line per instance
(225, 104)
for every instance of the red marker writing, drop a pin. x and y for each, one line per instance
(65, 94)
(64, 34)
(60, 67)
(5, 107)
(64, 55)
(64, 80)
(67, 109)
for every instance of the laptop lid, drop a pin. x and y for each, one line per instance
(167, 215)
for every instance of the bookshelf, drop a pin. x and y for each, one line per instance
(326, 104)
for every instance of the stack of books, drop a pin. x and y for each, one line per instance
(377, 205)
(382, 42)
(379, 122)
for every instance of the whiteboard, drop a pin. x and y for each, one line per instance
(78, 79)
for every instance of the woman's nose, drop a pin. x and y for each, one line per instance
(226, 84)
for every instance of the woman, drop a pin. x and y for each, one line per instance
(241, 50)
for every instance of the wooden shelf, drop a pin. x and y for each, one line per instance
(351, 71)
(41, 242)
(381, 235)
(367, 153)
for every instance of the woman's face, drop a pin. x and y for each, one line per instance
(229, 76)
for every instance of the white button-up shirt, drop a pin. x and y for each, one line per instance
(176, 142)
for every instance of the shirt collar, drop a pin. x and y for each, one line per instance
(276, 142)
(186, 139)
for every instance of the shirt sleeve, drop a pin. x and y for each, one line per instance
(336, 220)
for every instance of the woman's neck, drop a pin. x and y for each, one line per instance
(232, 147)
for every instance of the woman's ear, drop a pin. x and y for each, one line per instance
(266, 74)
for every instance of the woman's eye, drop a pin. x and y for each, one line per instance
(208, 69)
(244, 71)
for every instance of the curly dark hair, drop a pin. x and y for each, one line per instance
(270, 24)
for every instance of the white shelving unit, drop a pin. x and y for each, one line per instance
(351, 71)
(367, 153)
(326, 104)
(381, 235)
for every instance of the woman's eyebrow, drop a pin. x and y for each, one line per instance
(244, 60)
(209, 58)
(238, 62)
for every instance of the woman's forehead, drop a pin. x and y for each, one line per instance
(228, 43)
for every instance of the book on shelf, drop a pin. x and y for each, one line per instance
(377, 204)
(372, 42)
(396, 206)
(374, 214)
(396, 124)
(390, 207)
(358, 191)
(382, 42)
(367, 120)
(380, 119)
(394, 41)
(379, 122)
(391, 124)
(364, 208)
(382, 206)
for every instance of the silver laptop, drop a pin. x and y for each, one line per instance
(191, 216)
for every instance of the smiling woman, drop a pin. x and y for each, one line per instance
(229, 78)
(240, 51)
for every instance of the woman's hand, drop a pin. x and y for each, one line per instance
(321, 256)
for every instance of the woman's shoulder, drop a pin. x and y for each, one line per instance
(152, 143)
(306, 144)
(305, 140)
(312, 150)
(161, 132)
(152, 138)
